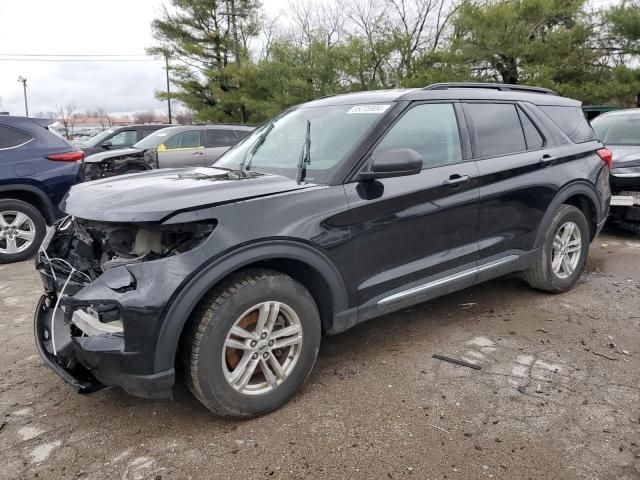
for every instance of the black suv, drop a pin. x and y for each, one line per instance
(332, 213)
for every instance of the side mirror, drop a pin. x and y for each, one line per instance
(394, 163)
(107, 145)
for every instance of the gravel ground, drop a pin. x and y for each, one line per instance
(558, 395)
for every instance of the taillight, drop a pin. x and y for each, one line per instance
(66, 157)
(606, 156)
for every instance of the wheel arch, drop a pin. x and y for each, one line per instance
(581, 195)
(31, 195)
(301, 261)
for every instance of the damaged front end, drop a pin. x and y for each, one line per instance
(106, 285)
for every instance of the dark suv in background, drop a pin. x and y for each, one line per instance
(37, 168)
(118, 137)
(334, 212)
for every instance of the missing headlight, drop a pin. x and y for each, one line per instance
(92, 248)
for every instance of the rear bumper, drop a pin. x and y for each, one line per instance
(92, 363)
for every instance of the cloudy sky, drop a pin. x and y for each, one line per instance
(82, 27)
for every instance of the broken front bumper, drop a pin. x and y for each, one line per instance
(90, 363)
(105, 330)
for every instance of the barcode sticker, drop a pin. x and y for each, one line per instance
(376, 109)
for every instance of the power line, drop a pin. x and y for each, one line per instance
(78, 60)
(70, 55)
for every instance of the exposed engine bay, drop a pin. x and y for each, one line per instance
(91, 248)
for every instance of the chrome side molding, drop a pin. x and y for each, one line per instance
(448, 279)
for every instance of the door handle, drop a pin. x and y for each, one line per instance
(456, 179)
(547, 159)
(198, 153)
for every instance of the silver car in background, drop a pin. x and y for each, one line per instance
(180, 146)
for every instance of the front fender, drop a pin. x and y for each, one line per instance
(185, 300)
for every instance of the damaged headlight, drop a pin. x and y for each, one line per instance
(86, 249)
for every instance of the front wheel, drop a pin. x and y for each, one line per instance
(563, 255)
(251, 344)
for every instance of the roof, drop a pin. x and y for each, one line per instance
(221, 126)
(627, 111)
(451, 91)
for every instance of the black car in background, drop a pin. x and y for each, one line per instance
(620, 132)
(37, 168)
(334, 212)
(118, 137)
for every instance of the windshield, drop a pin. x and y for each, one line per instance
(618, 129)
(155, 139)
(276, 146)
(97, 139)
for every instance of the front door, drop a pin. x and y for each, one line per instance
(416, 235)
(184, 149)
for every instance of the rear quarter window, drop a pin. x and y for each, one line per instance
(11, 138)
(571, 121)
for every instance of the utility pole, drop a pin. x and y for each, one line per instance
(24, 86)
(166, 64)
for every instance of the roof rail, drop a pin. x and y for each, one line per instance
(503, 87)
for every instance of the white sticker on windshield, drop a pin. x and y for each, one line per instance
(377, 109)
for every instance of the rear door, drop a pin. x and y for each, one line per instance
(515, 155)
(417, 231)
(184, 149)
(217, 141)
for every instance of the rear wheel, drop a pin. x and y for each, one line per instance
(563, 255)
(22, 229)
(251, 344)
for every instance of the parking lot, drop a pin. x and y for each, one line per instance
(558, 395)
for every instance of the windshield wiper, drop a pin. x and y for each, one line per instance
(250, 153)
(305, 155)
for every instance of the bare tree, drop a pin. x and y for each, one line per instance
(66, 116)
(185, 116)
(105, 119)
(144, 117)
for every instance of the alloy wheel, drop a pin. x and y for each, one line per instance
(566, 250)
(262, 348)
(17, 232)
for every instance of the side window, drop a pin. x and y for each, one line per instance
(124, 138)
(431, 130)
(571, 121)
(219, 138)
(188, 139)
(531, 133)
(146, 132)
(496, 129)
(241, 134)
(10, 137)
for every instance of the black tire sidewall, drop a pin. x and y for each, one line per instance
(213, 385)
(568, 214)
(38, 220)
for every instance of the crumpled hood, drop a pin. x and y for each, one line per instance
(153, 196)
(123, 152)
(625, 155)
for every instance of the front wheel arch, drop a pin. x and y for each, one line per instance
(276, 252)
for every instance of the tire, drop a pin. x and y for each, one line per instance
(14, 245)
(211, 366)
(544, 275)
